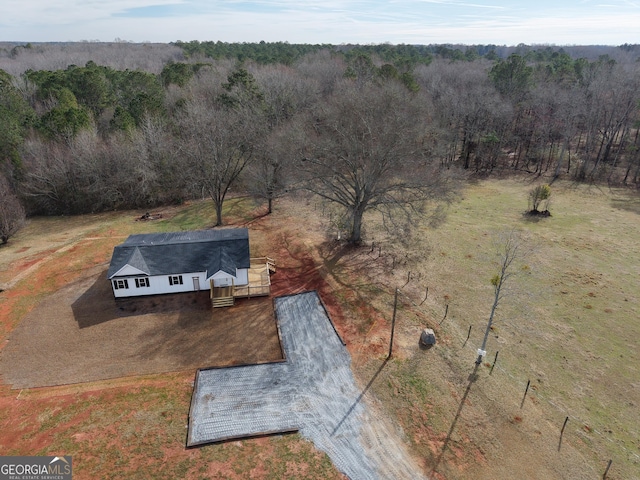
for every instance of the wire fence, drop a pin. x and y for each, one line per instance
(539, 395)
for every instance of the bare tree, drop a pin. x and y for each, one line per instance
(509, 249)
(365, 153)
(286, 96)
(12, 216)
(286, 92)
(217, 144)
(150, 57)
(51, 182)
(471, 116)
(323, 67)
(272, 174)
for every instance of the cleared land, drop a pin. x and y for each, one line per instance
(137, 422)
(570, 327)
(81, 334)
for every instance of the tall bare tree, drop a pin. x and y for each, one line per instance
(272, 174)
(365, 153)
(509, 250)
(218, 144)
(287, 95)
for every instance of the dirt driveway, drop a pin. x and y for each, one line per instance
(79, 334)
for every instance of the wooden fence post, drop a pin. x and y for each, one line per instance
(468, 335)
(562, 432)
(446, 310)
(525, 393)
(425, 296)
(494, 362)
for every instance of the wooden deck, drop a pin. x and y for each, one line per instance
(259, 284)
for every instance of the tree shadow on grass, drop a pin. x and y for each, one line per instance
(351, 265)
(472, 379)
(359, 399)
(630, 203)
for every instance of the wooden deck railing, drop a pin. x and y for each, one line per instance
(257, 287)
(261, 287)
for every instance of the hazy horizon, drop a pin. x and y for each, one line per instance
(573, 22)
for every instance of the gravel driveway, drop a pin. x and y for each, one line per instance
(313, 391)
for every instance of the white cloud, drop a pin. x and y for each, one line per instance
(306, 21)
(64, 12)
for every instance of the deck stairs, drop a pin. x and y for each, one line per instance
(271, 265)
(222, 297)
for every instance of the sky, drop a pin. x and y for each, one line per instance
(533, 22)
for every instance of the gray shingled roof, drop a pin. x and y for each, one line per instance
(184, 252)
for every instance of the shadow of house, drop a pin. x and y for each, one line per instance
(97, 304)
(221, 333)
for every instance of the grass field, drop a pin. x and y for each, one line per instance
(569, 325)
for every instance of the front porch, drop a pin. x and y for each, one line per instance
(259, 284)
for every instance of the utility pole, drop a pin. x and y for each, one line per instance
(393, 322)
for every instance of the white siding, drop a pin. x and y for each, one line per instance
(159, 284)
(128, 270)
(223, 279)
(242, 276)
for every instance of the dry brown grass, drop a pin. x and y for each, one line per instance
(568, 325)
(582, 362)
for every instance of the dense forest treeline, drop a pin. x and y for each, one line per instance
(87, 127)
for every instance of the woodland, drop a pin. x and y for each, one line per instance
(89, 127)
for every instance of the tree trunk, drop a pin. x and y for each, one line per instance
(637, 173)
(218, 214)
(637, 157)
(356, 226)
(556, 174)
(488, 329)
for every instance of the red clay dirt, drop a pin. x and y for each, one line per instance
(105, 418)
(97, 422)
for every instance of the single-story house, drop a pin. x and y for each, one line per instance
(158, 263)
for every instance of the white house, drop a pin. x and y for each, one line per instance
(157, 263)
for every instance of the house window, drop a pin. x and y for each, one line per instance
(120, 283)
(175, 280)
(142, 282)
